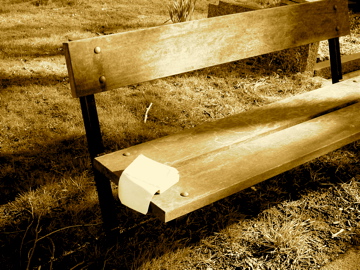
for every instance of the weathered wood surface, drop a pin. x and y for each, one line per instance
(219, 147)
(219, 174)
(210, 136)
(143, 55)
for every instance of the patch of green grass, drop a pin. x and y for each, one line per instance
(49, 210)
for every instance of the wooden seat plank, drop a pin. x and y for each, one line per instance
(137, 56)
(211, 136)
(218, 174)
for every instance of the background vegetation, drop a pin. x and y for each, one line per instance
(49, 212)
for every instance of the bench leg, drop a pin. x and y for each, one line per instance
(92, 126)
(95, 147)
(107, 203)
(335, 60)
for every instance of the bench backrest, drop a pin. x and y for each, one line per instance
(104, 63)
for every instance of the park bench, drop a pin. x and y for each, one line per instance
(217, 159)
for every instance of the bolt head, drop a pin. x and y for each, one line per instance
(102, 79)
(184, 194)
(97, 50)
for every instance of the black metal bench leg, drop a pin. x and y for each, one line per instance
(107, 203)
(335, 60)
(95, 145)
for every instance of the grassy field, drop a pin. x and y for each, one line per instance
(49, 214)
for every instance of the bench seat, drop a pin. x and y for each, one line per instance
(224, 155)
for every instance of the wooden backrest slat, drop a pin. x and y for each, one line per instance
(142, 55)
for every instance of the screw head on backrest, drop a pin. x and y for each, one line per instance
(102, 79)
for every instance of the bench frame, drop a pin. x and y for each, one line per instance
(87, 98)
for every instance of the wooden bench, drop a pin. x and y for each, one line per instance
(219, 158)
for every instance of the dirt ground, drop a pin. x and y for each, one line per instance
(348, 261)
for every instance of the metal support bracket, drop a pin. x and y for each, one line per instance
(96, 147)
(335, 60)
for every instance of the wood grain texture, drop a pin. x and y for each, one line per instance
(218, 174)
(143, 55)
(210, 136)
(210, 143)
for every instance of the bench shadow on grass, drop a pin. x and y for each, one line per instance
(35, 169)
(141, 238)
(137, 232)
(249, 203)
(30, 79)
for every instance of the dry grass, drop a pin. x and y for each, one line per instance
(50, 217)
(181, 10)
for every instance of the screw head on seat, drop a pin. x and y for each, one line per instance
(102, 79)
